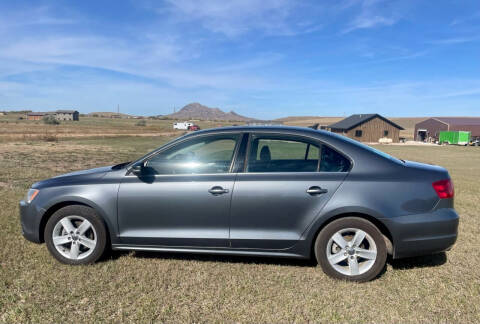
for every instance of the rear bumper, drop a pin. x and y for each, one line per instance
(423, 234)
(30, 216)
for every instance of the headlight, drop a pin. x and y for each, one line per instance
(31, 194)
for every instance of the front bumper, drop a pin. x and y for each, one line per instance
(423, 234)
(30, 217)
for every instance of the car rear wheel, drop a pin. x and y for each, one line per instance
(351, 248)
(76, 235)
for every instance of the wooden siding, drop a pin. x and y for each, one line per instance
(372, 131)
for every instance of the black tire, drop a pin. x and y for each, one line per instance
(96, 222)
(326, 233)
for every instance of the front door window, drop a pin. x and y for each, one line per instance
(204, 155)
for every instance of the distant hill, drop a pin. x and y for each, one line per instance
(108, 114)
(198, 111)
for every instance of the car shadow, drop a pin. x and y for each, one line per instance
(226, 258)
(427, 261)
(112, 255)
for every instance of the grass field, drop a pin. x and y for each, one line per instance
(13, 129)
(174, 287)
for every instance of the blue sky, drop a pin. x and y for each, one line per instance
(261, 58)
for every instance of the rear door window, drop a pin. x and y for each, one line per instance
(282, 155)
(292, 154)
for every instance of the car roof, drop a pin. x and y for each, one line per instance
(279, 129)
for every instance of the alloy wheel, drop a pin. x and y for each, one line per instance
(351, 251)
(74, 237)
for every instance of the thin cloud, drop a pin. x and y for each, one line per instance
(454, 40)
(154, 61)
(238, 17)
(259, 61)
(365, 22)
(33, 17)
(462, 20)
(373, 13)
(374, 62)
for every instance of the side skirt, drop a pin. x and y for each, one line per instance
(262, 253)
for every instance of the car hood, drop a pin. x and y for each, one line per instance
(88, 172)
(77, 177)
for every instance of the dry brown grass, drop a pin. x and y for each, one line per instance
(12, 129)
(145, 287)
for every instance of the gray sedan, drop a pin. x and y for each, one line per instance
(258, 191)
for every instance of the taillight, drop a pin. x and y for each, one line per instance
(444, 188)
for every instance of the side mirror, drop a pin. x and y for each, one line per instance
(136, 169)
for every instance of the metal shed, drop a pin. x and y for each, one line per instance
(67, 115)
(429, 129)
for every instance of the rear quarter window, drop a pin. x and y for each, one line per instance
(332, 161)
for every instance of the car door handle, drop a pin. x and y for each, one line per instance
(316, 190)
(217, 190)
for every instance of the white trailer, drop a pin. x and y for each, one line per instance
(183, 125)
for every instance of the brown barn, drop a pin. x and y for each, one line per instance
(36, 115)
(367, 128)
(429, 129)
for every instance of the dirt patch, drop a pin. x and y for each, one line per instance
(40, 137)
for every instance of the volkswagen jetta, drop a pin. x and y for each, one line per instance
(264, 191)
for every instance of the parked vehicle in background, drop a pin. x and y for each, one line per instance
(184, 125)
(475, 141)
(194, 128)
(266, 191)
(454, 138)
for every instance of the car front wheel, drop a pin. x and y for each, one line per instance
(75, 235)
(351, 248)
